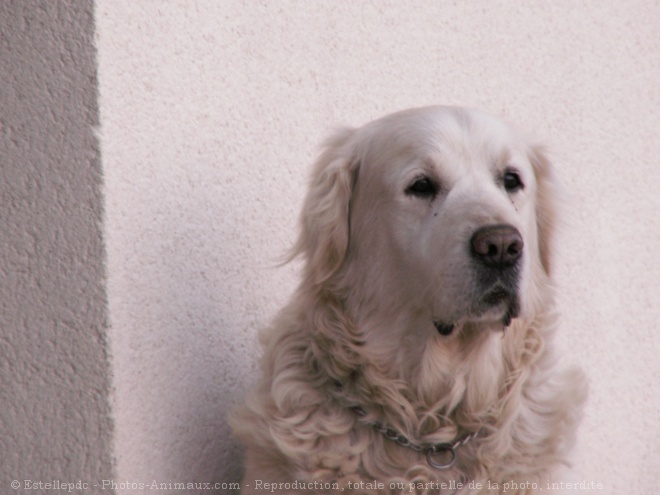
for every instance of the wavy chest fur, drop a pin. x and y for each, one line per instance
(480, 383)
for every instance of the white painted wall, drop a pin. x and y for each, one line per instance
(211, 112)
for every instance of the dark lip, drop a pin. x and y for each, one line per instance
(498, 295)
(508, 298)
(503, 296)
(444, 328)
(500, 291)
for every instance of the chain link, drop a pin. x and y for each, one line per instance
(431, 450)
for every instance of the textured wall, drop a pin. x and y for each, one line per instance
(54, 372)
(211, 113)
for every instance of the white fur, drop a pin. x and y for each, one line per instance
(381, 266)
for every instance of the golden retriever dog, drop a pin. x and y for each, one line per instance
(417, 354)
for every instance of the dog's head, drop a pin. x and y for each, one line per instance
(441, 212)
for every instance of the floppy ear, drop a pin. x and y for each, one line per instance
(547, 204)
(324, 232)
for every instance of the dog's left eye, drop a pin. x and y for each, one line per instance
(422, 187)
(512, 182)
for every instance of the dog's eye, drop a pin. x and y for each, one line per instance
(512, 182)
(422, 187)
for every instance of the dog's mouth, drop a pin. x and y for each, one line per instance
(501, 297)
(498, 305)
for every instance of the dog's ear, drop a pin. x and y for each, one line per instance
(548, 198)
(324, 234)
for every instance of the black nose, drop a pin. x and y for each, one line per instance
(497, 246)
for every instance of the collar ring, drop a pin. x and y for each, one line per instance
(441, 456)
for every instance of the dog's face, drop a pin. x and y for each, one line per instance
(441, 212)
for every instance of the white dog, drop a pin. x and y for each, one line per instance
(416, 355)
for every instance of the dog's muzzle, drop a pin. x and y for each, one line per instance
(497, 251)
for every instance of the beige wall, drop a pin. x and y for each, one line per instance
(210, 113)
(54, 368)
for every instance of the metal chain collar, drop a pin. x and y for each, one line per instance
(438, 455)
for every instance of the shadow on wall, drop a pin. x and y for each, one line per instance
(196, 354)
(210, 333)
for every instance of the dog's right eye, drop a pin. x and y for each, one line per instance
(422, 187)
